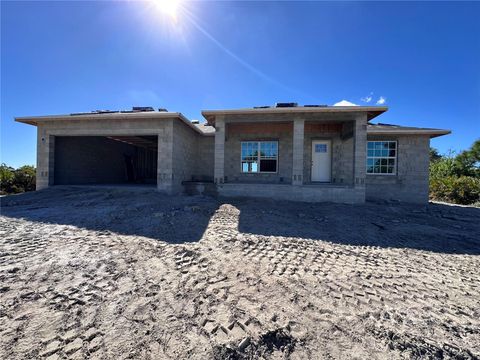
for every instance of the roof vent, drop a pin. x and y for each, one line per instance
(284, 105)
(162, 110)
(142, 108)
(315, 105)
(195, 122)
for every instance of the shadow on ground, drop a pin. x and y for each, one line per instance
(181, 219)
(138, 212)
(432, 227)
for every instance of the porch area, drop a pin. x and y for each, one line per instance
(312, 157)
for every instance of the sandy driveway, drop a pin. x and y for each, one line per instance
(117, 274)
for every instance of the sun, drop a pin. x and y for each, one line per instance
(168, 7)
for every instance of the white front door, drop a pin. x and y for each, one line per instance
(321, 160)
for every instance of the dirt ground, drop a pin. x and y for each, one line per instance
(125, 274)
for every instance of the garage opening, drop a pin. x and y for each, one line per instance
(81, 160)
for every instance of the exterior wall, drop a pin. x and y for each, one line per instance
(205, 157)
(342, 152)
(219, 152)
(236, 133)
(410, 184)
(45, 158)
(184, 155)
(90, 160)
(298, 149)
(47, 131)
(307, 193)
(165, 158)
(359, 154)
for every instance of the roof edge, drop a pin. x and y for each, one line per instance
(35, 120)
(372, 111)
(425, 131)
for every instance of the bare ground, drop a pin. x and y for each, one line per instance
(116, 274)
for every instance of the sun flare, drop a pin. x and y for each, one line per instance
(168, 8)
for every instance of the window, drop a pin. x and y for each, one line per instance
(320, 148)
(381, 157)
(259, 156)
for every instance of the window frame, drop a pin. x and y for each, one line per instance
(395, 158)
(259, 158)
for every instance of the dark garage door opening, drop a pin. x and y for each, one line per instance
(81, 160)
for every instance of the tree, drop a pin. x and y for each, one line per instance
(25, 178)
(14, 181)
(456, 178)
(6, 178)
(434, 155)
(467, 163)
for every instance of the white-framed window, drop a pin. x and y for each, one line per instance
(259, 156)
(381, 157)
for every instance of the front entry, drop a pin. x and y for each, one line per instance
(321, 160)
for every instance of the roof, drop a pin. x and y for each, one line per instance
(205, 128)
(386, 129)
(371, 111)
(116, 115)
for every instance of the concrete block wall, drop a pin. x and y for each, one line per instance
(360, 151)
(205, 158)
(308, 193)
(297, 151)
(185, 155)
(48, 130)
(410, 184)
(164, 158)
(45, 158)
(252, 132)
(342, 156)
(219, 151)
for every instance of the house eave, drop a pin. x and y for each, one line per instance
(371, 111)
(430, 132)
(36, 120)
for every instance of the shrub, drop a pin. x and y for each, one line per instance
(25, 178)
(459, 190)
(6, 178)
(443, 167)
(16, 181)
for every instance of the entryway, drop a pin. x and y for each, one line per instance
(321, 160)
(93, 160)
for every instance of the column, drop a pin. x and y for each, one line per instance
(298, 138)
(360, 153)
(165, 174)
(45, 159)
(219, 164)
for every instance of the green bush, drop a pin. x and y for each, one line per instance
(19, 180)
(456, 178)
(459, 190)
(443, 167)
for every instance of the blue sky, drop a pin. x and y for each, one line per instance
(62, 57)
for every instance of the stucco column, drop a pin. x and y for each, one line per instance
(298, 139)
(360, 152)
(165, 175)
(45, 159)
(219, 164)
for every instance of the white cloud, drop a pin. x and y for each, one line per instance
(344, 103)
(368, 98)
(381, 100)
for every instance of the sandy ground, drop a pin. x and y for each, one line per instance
(123, 274)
